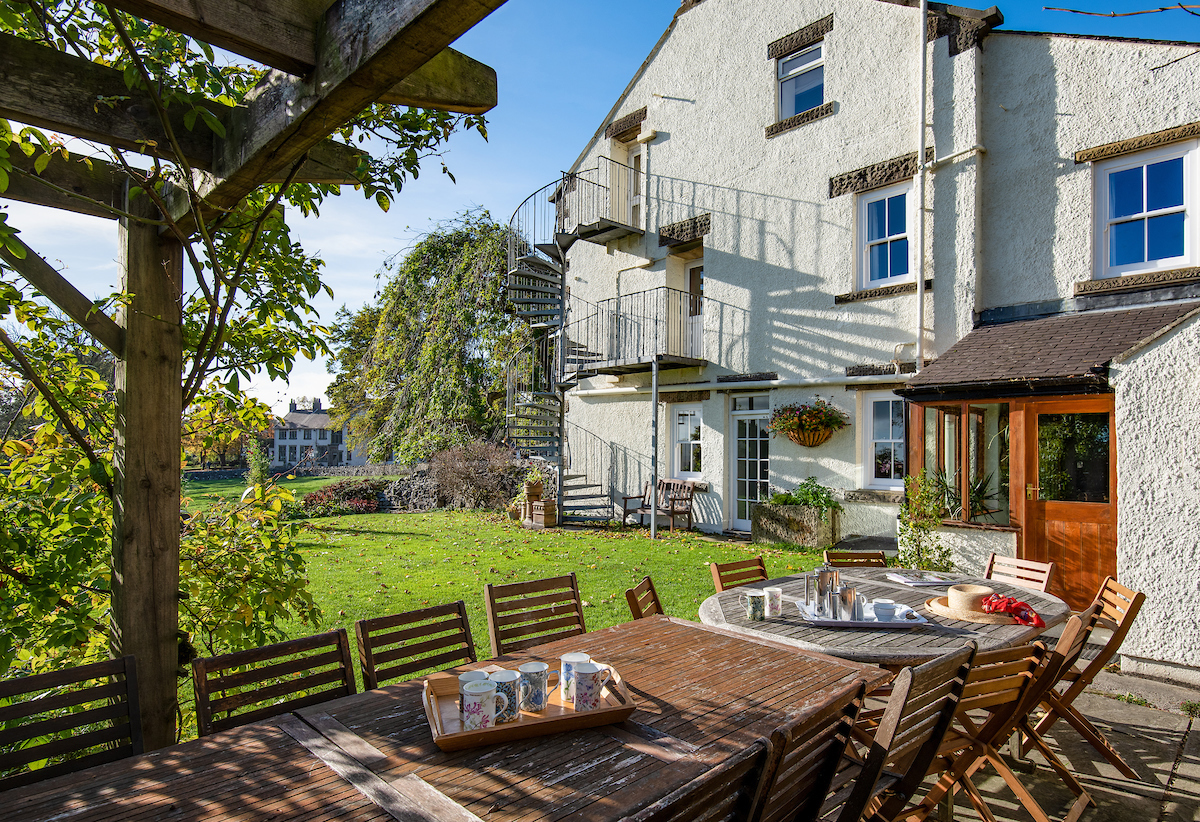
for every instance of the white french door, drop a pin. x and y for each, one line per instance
(751, 457)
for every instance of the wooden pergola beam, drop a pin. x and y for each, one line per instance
(286, 116)
(95, 189)
(43, 276)
(282, 34)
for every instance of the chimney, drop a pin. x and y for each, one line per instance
(316, 405)
(292, 405)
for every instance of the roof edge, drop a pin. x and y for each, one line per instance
(1157, 335)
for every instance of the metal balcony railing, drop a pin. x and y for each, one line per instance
(634, 328)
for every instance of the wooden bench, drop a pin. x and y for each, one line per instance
(674, 499)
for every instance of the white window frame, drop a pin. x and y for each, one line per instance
(676, 410)
(1102, 221)
(863, 247)
(867, 441)
(804, 68)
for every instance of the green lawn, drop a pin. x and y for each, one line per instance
(376, 564)
(198, 494)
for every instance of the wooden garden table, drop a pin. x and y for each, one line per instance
(891, 648)
(703, 694)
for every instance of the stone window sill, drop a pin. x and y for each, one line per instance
(978, 526)
(801, 119)
(880, 293)
(877, 495)
(1139, 282)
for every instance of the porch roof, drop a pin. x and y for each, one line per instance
(1064, 352)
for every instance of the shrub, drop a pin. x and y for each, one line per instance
(260, 466)
(476, 475)
(810, 493)
(920, 515)
(349, 496)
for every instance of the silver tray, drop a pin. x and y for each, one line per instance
(899, 622)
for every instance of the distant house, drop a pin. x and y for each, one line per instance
(987, 255)
(303, 432)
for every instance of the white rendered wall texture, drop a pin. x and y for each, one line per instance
(1158, 488)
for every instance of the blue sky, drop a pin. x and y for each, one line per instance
(561, 66)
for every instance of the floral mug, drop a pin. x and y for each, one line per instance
(535, 680)
(590, 679)
(479, 706)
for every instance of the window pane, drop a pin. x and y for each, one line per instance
(685, 453)
(898, 461)
(883, 460)
(877, 220)
(878, 261)
(758, 403)
(1164, 236)
(895, 213)
(1164, 184)
(1127, 243)
(1125, 192)
(801, 60)
(881, 420)
(899, 257)
(987, 464)
(897, 409)
(802, 92)
(1073, 457)
(695, 458)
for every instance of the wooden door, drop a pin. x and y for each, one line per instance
(1070, 500)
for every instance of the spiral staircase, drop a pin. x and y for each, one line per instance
(593, 206)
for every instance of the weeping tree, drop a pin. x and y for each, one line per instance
(196, 156)
(423, 368)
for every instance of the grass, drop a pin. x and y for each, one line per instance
(1133, 699)
(198, 494)
(377, 564)
(1190, 707)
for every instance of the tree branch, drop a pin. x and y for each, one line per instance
(1180, 6)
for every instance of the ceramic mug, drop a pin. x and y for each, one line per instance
(566, 678)
(590, 679)
(755, 604)
(463, 679)
(535, 677)
(885, 610)
(508, 683)
(481, 703)
(774, 601)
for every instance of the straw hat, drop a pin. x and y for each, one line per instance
(965, 602)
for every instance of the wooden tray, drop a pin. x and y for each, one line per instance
(441, 709)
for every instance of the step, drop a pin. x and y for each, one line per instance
(550, 250)
(535, 261)
(582, 486)
(531, 274)
(537, 288)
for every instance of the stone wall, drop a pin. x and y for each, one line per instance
(797, 524)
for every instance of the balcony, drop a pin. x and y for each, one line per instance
(626, 334)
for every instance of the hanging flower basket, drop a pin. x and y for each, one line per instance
(810, 439)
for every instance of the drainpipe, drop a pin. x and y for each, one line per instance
(921, 172)
(654, 448)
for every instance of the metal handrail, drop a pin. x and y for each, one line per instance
(637, 327)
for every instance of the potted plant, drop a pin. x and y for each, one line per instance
(535, 483)
(808, 423)
(806, 515)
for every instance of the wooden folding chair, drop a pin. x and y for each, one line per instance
(804, 758)
(89, 714)
(1118, 606)
(429, 638)
(732, 574)
(993, 701)
(643, 599)
(856, 559)
(523, 614)
(297, 673)
(1023, 572)
(906, 740)
(723, 794)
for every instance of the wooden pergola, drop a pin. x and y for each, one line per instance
(329, 62)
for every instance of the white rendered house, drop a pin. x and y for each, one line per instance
(743, 232)
(309, 433)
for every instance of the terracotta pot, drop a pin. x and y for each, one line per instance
(810, 438)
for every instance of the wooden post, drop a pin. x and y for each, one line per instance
(145, 545)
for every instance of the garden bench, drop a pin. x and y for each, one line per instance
(673, 496)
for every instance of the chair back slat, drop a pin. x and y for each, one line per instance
(1025, 573)
(804, 757)
(400, 645)
(1119, 606)
(233, 684)
(918, 714)
(723, 794)
(732, 574)
(88, 714)
(856, 559)
(998, 683)
(523, 614)
(643, 599)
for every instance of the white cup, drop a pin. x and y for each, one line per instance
(774, 601)
(885, 610)
(479, 704)
(463, 679)
(566, 676)
(590, 679)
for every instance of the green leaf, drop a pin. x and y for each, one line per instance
(215, 124)
(43, 160)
